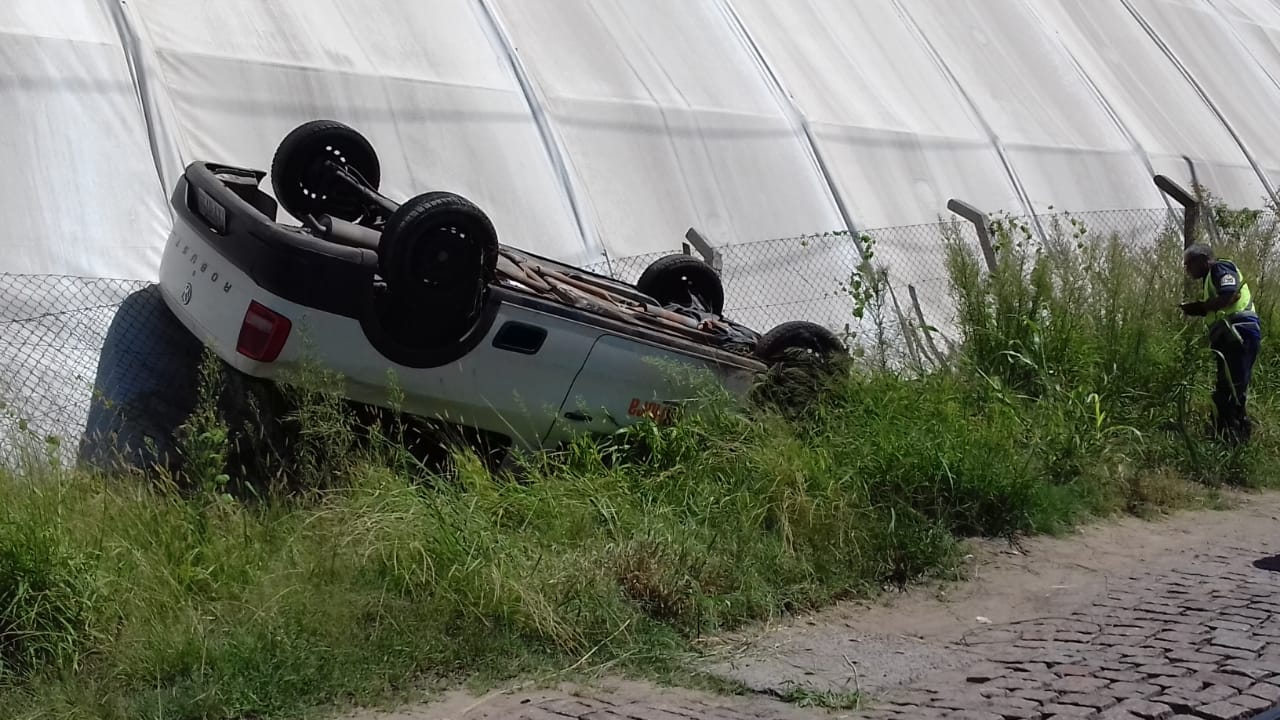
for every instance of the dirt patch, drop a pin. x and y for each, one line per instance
(606, 700)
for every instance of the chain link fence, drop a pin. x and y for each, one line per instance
(823, 279)
(65, 339)
(67, 342)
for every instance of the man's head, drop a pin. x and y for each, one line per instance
(1197, 260)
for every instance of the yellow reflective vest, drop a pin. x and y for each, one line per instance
(1243, 306)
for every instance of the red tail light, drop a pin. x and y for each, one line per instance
(263, 333)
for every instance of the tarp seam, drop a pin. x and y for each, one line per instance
(551, 144)
(138, 73)
(1230, 25)
(992, 135)
(1204, 95)
(798, 118)
(1100, 97)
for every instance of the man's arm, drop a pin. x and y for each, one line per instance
(1220, 301)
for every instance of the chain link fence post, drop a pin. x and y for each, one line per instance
(981, 223)
(703, 246)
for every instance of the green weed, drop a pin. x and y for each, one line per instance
(826, 699)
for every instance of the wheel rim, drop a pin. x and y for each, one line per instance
(682, 289)
(446, 257)
(310, 185)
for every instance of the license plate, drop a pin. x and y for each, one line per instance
(211, 211)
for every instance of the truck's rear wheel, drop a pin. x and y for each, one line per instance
(804, 358)
(678, 279)
(302, 182)
(439, 253)
(797, 336)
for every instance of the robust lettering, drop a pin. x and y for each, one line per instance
(660, 413)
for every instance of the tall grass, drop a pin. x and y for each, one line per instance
(357, 573)
(1084, 331)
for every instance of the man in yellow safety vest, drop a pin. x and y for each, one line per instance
(1235, 334)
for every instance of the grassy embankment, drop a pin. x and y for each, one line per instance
(1079, 391)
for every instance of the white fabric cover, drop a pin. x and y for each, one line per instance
(1150, 98)
(79, 194)
(424, 81)
(602, 129)
(1236, 83)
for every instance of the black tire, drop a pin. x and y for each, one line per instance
(303, 185)
(676, 279)
(797, 335)
(440, 252)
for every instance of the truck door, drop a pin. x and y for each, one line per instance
(624, 381)
(516, 382)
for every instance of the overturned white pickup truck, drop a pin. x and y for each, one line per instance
(477, 333)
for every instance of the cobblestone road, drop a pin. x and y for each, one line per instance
(1201, 641)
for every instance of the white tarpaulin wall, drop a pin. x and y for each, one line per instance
(596, 130)
(79, 194)
(588, 127)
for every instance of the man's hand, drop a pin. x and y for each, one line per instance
(1213, 304)
(1196, 308)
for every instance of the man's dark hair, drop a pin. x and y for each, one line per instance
(1199, 251)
